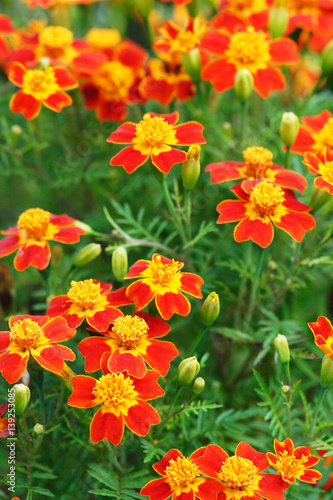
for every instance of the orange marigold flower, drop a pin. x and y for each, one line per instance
(251, 49)
(90, 300)
(124, 402)
(6, 27)
(53, 3)
(40, 86)
(31, 234)
(57, 44)
(241, 474)
(310, 15)
(37, 336)
(161, 279)
(261, 206)
(182, 479)
(293, 463)
(6, 429)
(258, 164)
(323, 335)
(178, 2)
(151, 138)
(321, 165)
(243, 9)
(315, 134)
(128, 344)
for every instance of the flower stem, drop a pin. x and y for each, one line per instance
(286, 160)
(173, 402)
(254, 289)
(321, 398)
(196, 341)
(172, 210)
(288, 397)
(242, 124)
(187, 208)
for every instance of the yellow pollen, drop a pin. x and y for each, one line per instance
(257, 161)
(163, 273)
(248, 49)
(238, 472)
(324, 138)
(26, 333)
(185, 41)
(244, 8)
(326, 171)
(102, 38)
(114, 390)
(304, 6)
(266, 198)
(84, 293)
(153, 131)
(289, 466)
(130, 329)
(40, 83)
(33, 223)
(181, 472)
(114, 79)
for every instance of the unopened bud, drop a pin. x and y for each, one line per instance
(326, 372)
(87, 254)
(22, 398)
(210, 309)
(16, 131)
(243, 84)
(289, 128)
(144, 6)
(278, 20)
(199, 385)
(87, 229)
(192, 63)
(38, 429)
(120, 263)
(285, 389)
(191, 166)
(282, 348)
(188, 369)
(327, 58)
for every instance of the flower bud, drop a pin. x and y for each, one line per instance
(243, 84)
(319, 198)
(285, 389)
(144, 6)
(87, 254)
(38, 429)
(188, 369)
(282, 348)
(210, 309)
(327, 58)
(120, 263)
(289, 128)
(191, 166)
(199, 385)
(16, 131)
(22, 398)
(326, 372)
(192, 63)
(87, 229)
(278, 20)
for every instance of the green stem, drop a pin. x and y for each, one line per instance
(286, 160)
(187, 208)
(39, 385)
(321, 398)
(288, 397)
(242, 124)
(165, 421)
(172, 210)
(254, 289)
(196, 341)
(242, 288)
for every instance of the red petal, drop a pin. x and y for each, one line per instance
(160, 466)
(32, 255)
(268, 80)
(191, 283)
(210, 463)
(166, 160)
(102, 319)
(286, 445)
(106, 425)
(118, 297)
(170, 303)
(52, 357)
(90, 95)
(293, 204)
(220, 73)
(111, 110)
(41, 320)
(124, 134)
(82, 396)
(322, 327)
(57, 330)
(129, 362)
(321, 184)
(68, 235)
(13, 366)
(311, 476)
(64, 78)
(157, 327)
(291, 180)
(303, 142)
(59, 306)
(224, 171)
(239, 191)
(62, 220)
(9, 244)
(4, 342)
(312, 161)
(16, 73)
(132, 55)
(129, 158)
(58, 101)
(92, 348)
(246, 451)
(209, 489)
(140, 417)
(157, 489)
(171, 118)
(189, 133)
(136, 270)
(140, 294)
(25, 104)
(317, 122)
(147, 387)
(283, 51)
(231, 211)
(215, 42)
(159, 355)
(296, 224)
(259, 232)
(272, 486)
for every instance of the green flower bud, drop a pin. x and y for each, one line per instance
(87, 254)
(119, 263)
(22, 398)
(192, 63)
(282, 348)
(199, 385)
(191, 166)
(319, 198)
(210, 309)
(278, 20)
(289, 128)
(326, 372)
(144, 6)
(243, 84)
(285, 389)
(87, 229)
(16, 131)
(38, 429)
(188, 369)
(327, 58)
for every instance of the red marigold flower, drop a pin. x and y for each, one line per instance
(91, 300)
(31, 234)
(37, 336)
(152, 137)
(323, 335)
(321, 165)
(250, 49)
(241, 474)
(57, 44)
(53, 3)
(293, 463)
(261, 206)
(178, 2)
(245, 8)
(182, 479)
(258, 164)
(40, 86)
(123, 399)
(315, 135)
(128, 344)
(162, 280)
(7, 428)
(6, 27)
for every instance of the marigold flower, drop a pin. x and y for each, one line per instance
(6, 27)
(53, 3)
(123, 401)
(40, 86)
(257, 164)
(161, 279)
(91, 300)
(152, 138)
(261, 206)
(323, 335)
(57, 44)
(31, 234)
(241, 474)
(293, 463)
(315, 134)
(6, 429)
(243, 9)
(181, 478)
(322, 165)
(37, 336)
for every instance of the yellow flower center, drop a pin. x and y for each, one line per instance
(56, 42)
(26, 333)
(266, 198)
(181, 473)
(289, 466)
(154, 132)
(185, 41)
(102, 38)
(130, 329)
(238, 472)
(40, 83)
(304, 6)
(33, 223)
(324, 138)
(248, 49)
(114, 79)
(116, 392)
(326, 171)
(84, 293)
(244, 8)
(162, 273)
(257, 160)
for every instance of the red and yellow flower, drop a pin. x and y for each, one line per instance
(258, 164)
(124, 402)
(45, 4)
(35, 336)
(321, 165)
(161, 279)
(128, 344)
(91, 300)
(260, 206)
(242, 474)
(243, 9)
(6, 27)
(315, 134)
(293, 463)
(153, 137)
(181, 478)
(40, 86)
(30, 236)
(323, 335)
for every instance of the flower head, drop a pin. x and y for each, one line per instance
(56, 43)
(315, 134)
(323, 335)
(54, 3)
(35, 336)
(321, 165)
(34, 228)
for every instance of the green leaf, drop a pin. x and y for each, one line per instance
(234, 334)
